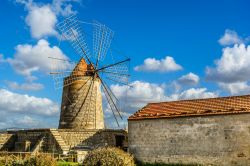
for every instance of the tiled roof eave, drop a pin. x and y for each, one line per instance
(185, 115)
(194, 107)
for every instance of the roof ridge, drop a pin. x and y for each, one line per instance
(209, 98)
(194, 107)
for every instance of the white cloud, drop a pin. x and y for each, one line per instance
(27, 121)
(189, 79)
(23, 103)
(41, 21)
(230, 37)
(63, 7)
(237, 88)
(139, 93)
(233, 66)
(1, 58)
(42, 18)
(24, 86)
(193, 93)
(164, 65)
(29, 59)
(21, 121)
(133, 97)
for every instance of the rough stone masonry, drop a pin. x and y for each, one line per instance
(81, 125)
(205, 131)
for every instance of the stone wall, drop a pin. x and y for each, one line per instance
(92, 138)
(27, 140)
(82, 105)
(217, 140)
(6, 141)
(60, 140)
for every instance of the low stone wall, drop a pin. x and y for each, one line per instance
(43, 140)
(218, 140)
(26, 140)
(6, 141)
(92, 138)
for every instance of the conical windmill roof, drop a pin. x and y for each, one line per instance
(80, 69)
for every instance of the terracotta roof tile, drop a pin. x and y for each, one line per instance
(196, 107)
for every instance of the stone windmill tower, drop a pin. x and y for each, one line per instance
(86, 81)
(81, 106)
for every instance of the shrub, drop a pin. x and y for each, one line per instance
(65, 163)
(37, 160)
(10, 160)
(108, 156)
(138, 163)
(40, 160)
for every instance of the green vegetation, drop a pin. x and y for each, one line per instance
(64, 163)
(162, 164)
(27, 160)
(108, 156)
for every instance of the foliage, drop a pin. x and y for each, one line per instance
(164, 164)
(64, 163)
(41, 160)
(27, 160)
(108, 156)
(10, 160)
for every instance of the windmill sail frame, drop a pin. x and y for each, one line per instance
(85, 79)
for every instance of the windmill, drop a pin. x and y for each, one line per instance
(87, 80)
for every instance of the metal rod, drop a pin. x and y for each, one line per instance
(81, 87)
(105, 67)
(105, 90)
(62, 72)
(79, 44)
(89, 104)
(82, 102)
(117, 81)
(104, 85)
(99, 51)
(111, 92)
(60, 59)
(115, 73)
(79, 92)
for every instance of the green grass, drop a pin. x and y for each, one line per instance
(162, 164)
(65, 163)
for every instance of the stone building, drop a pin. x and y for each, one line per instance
(214, 131)
(81, 106)
(81, 125)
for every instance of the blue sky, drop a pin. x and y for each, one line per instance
(178, 49)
